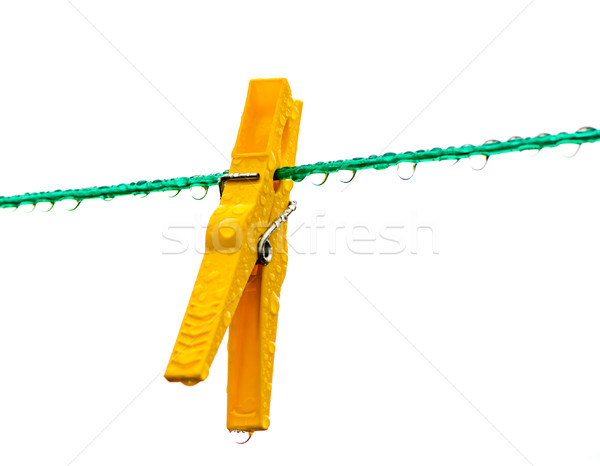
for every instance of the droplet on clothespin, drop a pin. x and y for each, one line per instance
(241, 437)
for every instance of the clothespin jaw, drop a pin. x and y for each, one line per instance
(231, 288)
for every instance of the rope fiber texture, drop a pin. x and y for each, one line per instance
(298, 173)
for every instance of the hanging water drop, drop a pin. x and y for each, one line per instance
(478, 161)
(449, 162)
(174, 195)
(585, 129)
(27, 208)
(534, 152)
(563, 150)
(406, 170)
(346, 176)
(69, 204)
(48, 206)
(529, 152)
(318, 179)
(573, 154)
(198, 192)
(241, 437)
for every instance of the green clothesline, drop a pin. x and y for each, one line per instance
(298, 173)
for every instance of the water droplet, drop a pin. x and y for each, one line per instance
(491, 141)
(142, 195)
(198, 192)
(346, 176)
(69, 204)
(530, 152)
(318, 179)
(406, 170)
(449, 162)
(572, 153)
(174, 195)
(45, 206)
(108, 198)
(478, 161)
(563, 150)
(583, 129)
(27, 208)
(240, 437)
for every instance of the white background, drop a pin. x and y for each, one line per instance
(495, 352)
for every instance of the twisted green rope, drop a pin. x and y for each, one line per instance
(298, 173)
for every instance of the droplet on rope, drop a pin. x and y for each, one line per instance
(69, 204)
(573, 154)
(318, 179)
(198, 192)
(449, 162)
(27, 208)
(563, 150)
(529, 152)
(534, 152)
(478, 161)
(45, 206)
(346, 176)
(406, 170)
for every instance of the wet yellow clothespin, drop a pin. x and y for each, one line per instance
(240, 278)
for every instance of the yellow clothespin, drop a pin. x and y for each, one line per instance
(240, 278)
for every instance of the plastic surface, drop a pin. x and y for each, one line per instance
(231, 290)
